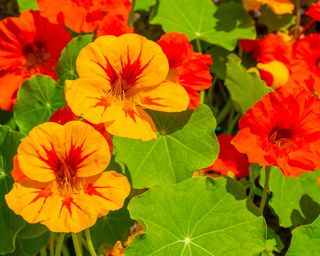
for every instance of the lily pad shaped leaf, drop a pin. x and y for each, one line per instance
(186, 142)
(200, 217)
(221, 25)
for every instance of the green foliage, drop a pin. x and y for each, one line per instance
(306, 240)
(66, 67)
(143, 5)
(111, 228)
(296, 201)
(38, 98)
(27, 4)
(245, 88)
(186, 142)
(275, 22)
(206, 21)
(199, 216)
(10, 223)
(219, 56)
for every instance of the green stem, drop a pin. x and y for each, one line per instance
(76, 244)
(233, 122)
(51, 245)
(89, 242)
(202, 96)
(65, 251)
(59, 244)
(43, 251)
(199, 48)
(224, 112)
(265, 189)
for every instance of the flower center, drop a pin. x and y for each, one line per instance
(67, 180)
(281, 137)
(36, 54)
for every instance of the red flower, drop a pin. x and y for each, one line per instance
(28, 45)
(229, 159)
(188, 68)
(280, 130)
(83, 15)
(314, 11)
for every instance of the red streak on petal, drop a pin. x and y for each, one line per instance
(151, 101)
(130, 112)
(42, 193)
(52, 158)
(68, 204)
(92, 190)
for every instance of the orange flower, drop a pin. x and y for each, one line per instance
(188, 68)
(229, 159)
(314, 11)
(82, 15)
(280, 130)
(28, 46)
(118, 78)
(58, 172)
(278, 6)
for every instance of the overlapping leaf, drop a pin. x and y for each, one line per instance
(38, 98)
(186, 142)
(199, 216)
(206, 21)
(10, 223)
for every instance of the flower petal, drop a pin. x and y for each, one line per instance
(168, 97)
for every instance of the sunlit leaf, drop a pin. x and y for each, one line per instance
(38, 98)
(186, 142)
(144, 4)
(221, 25)
(27, 4)
(199, 216)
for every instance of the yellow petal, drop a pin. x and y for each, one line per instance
(278, 70)
(167, 97)
(279, 6)
(250, 5)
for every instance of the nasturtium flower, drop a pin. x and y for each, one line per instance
(118, 78)
(28, 45)
(82, 15)
(190, 69)
(278, 6)
(60, 179)
(314, 11)
(280, 130)
(230, 160)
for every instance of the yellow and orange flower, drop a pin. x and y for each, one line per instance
(58, 173)
(118, 78)
(278, 6)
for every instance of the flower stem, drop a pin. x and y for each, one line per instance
(43, 252)
(199, 48)
(89, 242)
(51, 245)
(59, 244)
(265, 189)
(76, 244)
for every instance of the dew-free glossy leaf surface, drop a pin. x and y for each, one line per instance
(200, 217)
(10, 224)
(38, 98)
(186, 142)
(245, 88)
(206, 21)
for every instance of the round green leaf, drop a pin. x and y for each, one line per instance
(27, 4)
(295, 200)
(204, 20)
(10, 224)
(38, 98)
(199, 216)
(306, 240)
(66, 67)
(143, 5)
(186, 142)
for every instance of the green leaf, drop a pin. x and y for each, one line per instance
(274, 21)
(27, 4)
(143, 5)
(32, 231)
(66, 67)
(38, 98)
(306, 240)
(295, 200)
(199, 216)
(245, 88)
(219, 56)
(10, 224)
(186, 142)
(111, 228)
(206, 21)
(32, 246)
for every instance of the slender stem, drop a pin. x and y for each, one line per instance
(233, 123)
(202, 96)
(298, 12)
(43, 251)
(265, 189)
(224, 112)
(89, 242)
(51, 245)
(76, 244)
(59, 244)
(65, 251)
(199, 48)
(306, 27)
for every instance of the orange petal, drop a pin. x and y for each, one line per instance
(168, 97)
(131, 122)
(279, 6)
(277, 70)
